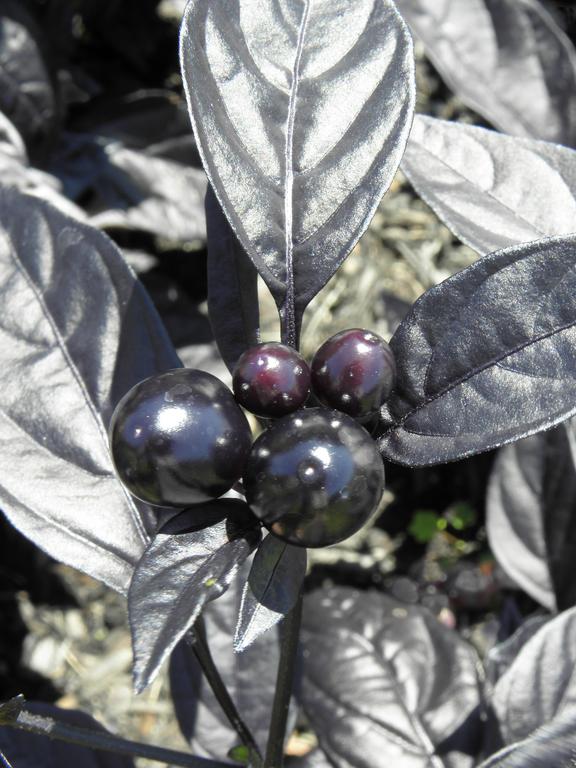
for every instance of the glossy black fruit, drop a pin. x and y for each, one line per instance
(271, 380)
(354, 371)
(179, 438)
(314, 477)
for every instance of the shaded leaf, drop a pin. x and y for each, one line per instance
(232, 287)
(514, 521)
(499, 332)
(192, 560)
(15, 171)
(506, 59)
(145, 120)
(27, 87)
(301, 113)
(540, 684)
(128, 189)
(154, 195)
(28, 750)
(271, 590)
(383, 678)
(249, 676)
(531, 520)
(77, 332)
(551, 745)
(489, 188)
(501, 657)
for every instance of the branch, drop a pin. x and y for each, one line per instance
(15, 715)
(284, 682)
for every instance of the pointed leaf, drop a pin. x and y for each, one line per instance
(488, 188)
(271, 591)
(531, 520)
(151, 194)
(127, 189)
(486, 357)
(551, 745)
(382, 678)
(249, 676)
(301, 112)
(192, 560)
(77, 332)
(507, 59)
(232, 287)
(541, 683)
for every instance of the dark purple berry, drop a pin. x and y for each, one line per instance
(271, 380)
(179, 438)
(314, 478)
(354, 371)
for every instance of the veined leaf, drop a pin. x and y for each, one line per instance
(540, 685)
(301, 111)
(551, 745)
(382, 678)
(77, 332)
(507, 59)
(489, 188)
(486, 357)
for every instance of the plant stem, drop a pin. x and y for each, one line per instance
(107, 742)
(4, 761)
(284, 681)
(204, 657)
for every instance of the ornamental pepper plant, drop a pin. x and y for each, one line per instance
(209, 491)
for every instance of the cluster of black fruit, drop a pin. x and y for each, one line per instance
(313, 477)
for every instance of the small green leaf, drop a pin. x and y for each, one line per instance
(240, 754)
(461, 516)
(424, 525)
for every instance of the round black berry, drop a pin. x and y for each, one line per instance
(179, 438)
(271, 380)
(354, 371)
(314, 478)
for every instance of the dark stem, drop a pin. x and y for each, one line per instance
(202, 652)
(284, 682)
(290, 322)
(106, 742)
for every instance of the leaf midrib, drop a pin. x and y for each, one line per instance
(290, 298)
